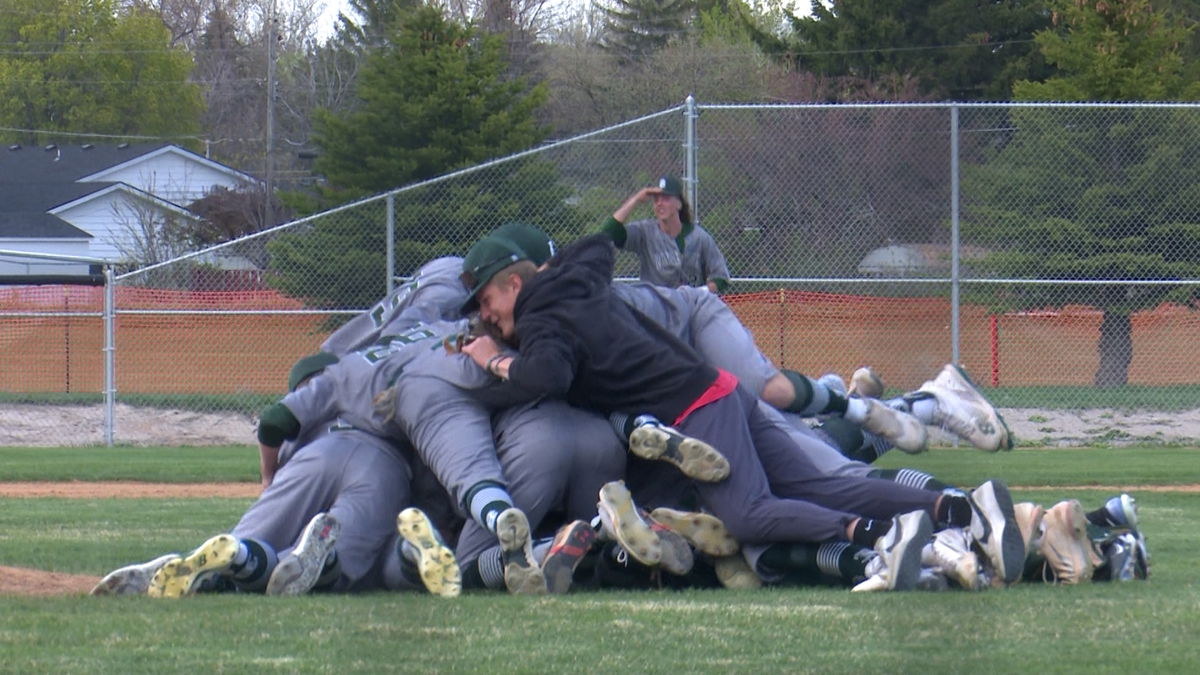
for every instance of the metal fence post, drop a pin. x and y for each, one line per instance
(954, 240)
(110, 380)
(689, 144)
(391, 242)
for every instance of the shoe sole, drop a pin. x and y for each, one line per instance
(903, 556)
(865, 383)
(1004, 545)
(559, 566)
(1007, 442)
(298, 573)
(133, 579)
(695, 458)
(1076, 540)
(522, 576)
(178, 577)
(910, 434)
(436, 563)
(632, 533)
(704, 531)
(677, 557)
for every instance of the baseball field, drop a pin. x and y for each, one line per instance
(67, 516)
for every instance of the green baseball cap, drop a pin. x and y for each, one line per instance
(670, 185)
(308, 366)
(507, 244)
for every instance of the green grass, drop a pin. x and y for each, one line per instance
(156, 464)
(1134, 627)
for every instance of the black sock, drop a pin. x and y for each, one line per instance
(868, 531)
(953, 511)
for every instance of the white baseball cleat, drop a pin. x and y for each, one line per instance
(132, 579)
(297, 573)
(695, 458)
(950, 552)
(522, 575)
(900, 549)
(704, 531)
(994, 527)
(735, 573)
(900, 429)
(963, 410)
(622, 523)
(435, 561)
(1065, 543)
(179, 577)
(866, 383)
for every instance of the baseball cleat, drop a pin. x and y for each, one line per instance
(735, 573)
(1121, 511)
(900, 429)
(950, 553)
(677, 556)
(435, 561)
(181, 576)
(963, 410)
(900, 549)
(1065, 543)
(571, 543)
(297, 573)
(695, 458)
(864, 383)
(1029, 520)
(704, 531)
(132, 579)
(622, 523)
(522, 576)
(994, 528)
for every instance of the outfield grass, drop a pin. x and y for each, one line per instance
(1135, 627)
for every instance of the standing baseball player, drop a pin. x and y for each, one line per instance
(673, 250)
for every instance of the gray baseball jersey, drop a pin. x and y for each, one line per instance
(667, 262)
(434, 293)
(704, 321)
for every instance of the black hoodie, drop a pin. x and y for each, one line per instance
(579, 341)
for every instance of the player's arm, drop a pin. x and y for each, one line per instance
(716, 271)
(615, 225)
(275, 425)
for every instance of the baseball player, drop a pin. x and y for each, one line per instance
(433, 293)
(673, 251)
(346, 481)
(576, 340)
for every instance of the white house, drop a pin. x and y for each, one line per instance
(98, 201)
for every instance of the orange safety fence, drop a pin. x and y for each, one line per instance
(905, 339)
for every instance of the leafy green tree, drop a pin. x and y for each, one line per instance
(433, 97)
(1110, 193)
(635, 29)
(88, 66)
(960, 49)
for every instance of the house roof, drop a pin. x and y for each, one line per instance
(37, 180)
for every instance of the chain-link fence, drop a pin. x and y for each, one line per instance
(1053, 250)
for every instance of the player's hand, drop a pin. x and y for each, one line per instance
(481, 349)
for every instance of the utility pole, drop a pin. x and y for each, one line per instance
(269, 173)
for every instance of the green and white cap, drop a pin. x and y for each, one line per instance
(507, 244)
